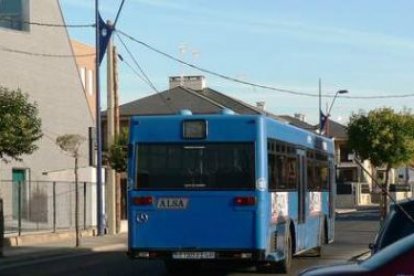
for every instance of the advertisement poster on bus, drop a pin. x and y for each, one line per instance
(315, 205)
(279, 205)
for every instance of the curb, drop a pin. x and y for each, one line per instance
(345, 211)
(109, 247)
(33, 239)
(360, 257)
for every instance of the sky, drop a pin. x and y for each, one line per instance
(365, 47)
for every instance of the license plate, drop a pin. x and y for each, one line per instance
(194, 255)
(172, 203)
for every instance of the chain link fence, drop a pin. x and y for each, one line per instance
(33, 206)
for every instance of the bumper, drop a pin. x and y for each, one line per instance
(208, 255)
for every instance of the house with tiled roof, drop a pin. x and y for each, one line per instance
(298, 120)
(187, 92)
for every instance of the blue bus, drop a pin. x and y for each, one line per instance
(246, 189)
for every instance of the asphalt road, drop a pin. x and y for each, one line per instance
(354, 231)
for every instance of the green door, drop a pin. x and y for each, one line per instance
(19, 178)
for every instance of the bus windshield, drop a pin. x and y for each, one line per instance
(208, 166)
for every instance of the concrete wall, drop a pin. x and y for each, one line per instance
(52, 82)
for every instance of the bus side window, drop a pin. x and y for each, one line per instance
(310, 174)
(271, 159)
(282, 166)
(291, 173)
(325, 176)
(281, 172)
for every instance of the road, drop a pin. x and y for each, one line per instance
(354, 232)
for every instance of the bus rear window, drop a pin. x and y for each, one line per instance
(209, 166)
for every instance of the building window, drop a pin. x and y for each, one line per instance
(14, 14)
(82, 71)
(89, 81)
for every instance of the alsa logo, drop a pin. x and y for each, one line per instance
(172, 203)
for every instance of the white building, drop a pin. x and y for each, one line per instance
(39, 60)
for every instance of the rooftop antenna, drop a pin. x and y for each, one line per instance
(183, 50)
(195, 54)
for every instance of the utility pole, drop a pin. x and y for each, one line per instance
(320, 106)
(99, 194)
(117, 132)
(110, 119)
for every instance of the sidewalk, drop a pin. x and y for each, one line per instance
(59, 247)
(367, 207)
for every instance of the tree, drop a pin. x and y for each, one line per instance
(20, 125)
(384, 137)
(118, 152)
(71, 143)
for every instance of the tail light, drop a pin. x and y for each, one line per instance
(244, 201)
(143, 200)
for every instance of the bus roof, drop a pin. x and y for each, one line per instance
(274, 129)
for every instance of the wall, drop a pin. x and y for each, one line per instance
(52, 82)
(86, 67)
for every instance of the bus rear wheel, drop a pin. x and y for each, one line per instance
(283, 266)
(322, 240)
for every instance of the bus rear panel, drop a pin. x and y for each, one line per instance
(193, 193)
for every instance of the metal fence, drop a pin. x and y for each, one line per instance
(30, 206)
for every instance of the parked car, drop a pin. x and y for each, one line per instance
(395, 259)
(396, 226)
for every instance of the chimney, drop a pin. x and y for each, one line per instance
(300, 116)
(261, 105)
(191, 82)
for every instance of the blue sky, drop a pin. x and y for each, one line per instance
(366, 47)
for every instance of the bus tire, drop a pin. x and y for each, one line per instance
(281, 266)
(285, 265)
(322, 240)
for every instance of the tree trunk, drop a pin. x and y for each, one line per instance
(385, 193)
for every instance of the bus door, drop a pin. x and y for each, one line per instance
(332, 193)
(301, 159)
(301, 190)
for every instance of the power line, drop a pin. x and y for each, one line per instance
(3, 19)
(133, 69)
(137, 64)
(144, 76)
(6, 49)
(287, 91)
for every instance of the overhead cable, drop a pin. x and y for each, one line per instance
(137, 64)
(144, 76)
(3, 19)
(6, 49)
(281, 90)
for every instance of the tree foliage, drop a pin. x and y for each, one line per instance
(70, 143)
(384, 137)
(118, 152)
(20, 124)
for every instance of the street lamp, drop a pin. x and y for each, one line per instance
(328, 114)
(333, 101)
(330, 108)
